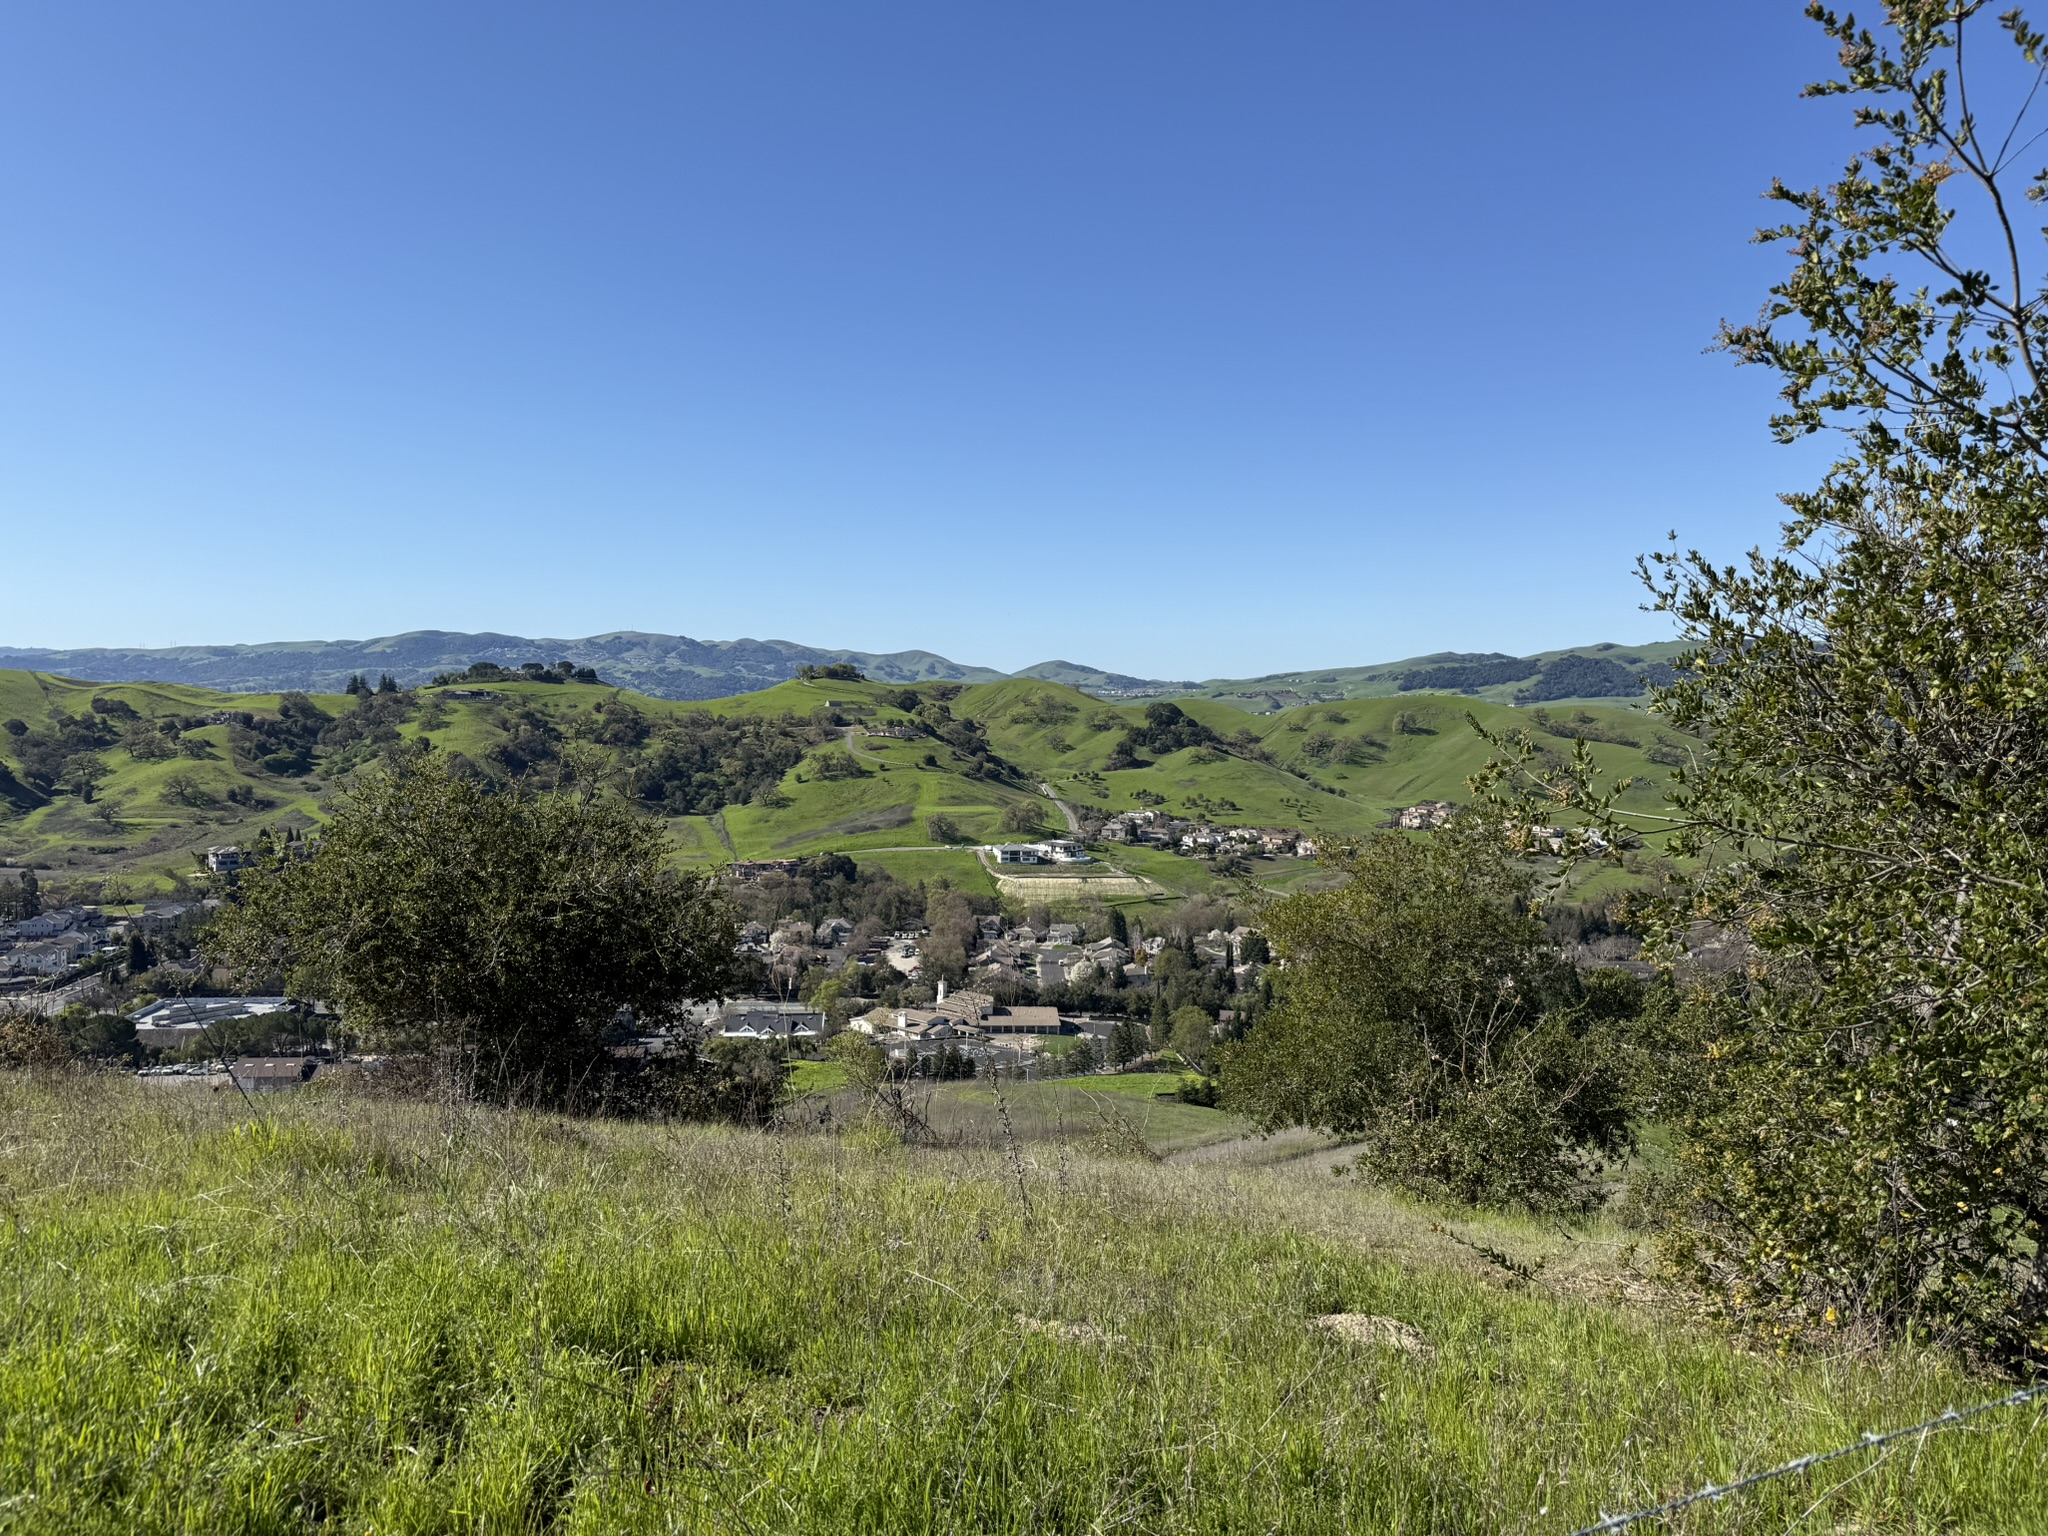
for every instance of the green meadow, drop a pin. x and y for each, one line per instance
(325, 1313)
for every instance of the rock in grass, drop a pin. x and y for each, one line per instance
(1066, 1333)
(1390, 1332)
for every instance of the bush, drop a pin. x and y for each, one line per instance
(28, 1043)
(837, 765)
(1423, 1012)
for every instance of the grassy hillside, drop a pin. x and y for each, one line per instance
(1334, 770)
(317, 1314)
(1384, 679)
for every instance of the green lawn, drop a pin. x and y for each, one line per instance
(816, 1077)
(311, 1314)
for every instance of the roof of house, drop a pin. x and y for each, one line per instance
(1046, 1020)
(275, 1068)
(967, 1003)
(764, 1023)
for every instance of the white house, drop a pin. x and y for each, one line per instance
(44, 925)
(50, 957)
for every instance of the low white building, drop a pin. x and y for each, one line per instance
(175, 1022)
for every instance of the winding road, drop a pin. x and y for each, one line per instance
(1066, 810)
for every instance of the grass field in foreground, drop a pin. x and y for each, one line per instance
(317, 1314)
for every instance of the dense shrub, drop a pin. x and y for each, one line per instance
(1423, 1012)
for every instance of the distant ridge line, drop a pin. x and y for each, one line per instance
(679, 667)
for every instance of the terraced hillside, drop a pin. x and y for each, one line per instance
(136, 780)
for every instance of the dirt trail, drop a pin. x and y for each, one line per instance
(1295, 1149)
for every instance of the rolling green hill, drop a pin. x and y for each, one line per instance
(182, 768)
(677, 667)
(1280, 690)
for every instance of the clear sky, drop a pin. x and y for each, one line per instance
(1183, 339)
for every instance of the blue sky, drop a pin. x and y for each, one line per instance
(1181, 339)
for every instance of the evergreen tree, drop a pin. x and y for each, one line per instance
(1126, 1042)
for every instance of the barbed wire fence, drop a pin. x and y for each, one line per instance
(1870, 1441)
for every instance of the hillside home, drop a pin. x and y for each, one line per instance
(771, 1026)
(1425, 817)
(49, 957)
(913, 1024)
(227, 860)
(754, 869)
(45, 925)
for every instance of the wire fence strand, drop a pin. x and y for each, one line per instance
(1870, 1441)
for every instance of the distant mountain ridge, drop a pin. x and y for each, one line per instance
(678, 667)
(665, 666)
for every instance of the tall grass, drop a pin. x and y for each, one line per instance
(324, 1314)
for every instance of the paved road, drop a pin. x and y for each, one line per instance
(853, 731)
(78, 991)
(1066, 810)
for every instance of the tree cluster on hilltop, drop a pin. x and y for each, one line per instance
(1167, 728)
(492, 672)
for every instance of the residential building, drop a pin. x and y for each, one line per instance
(49, 957)
(1064, 850)
(771, 1026)
(1426, 816)
(754, 869)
